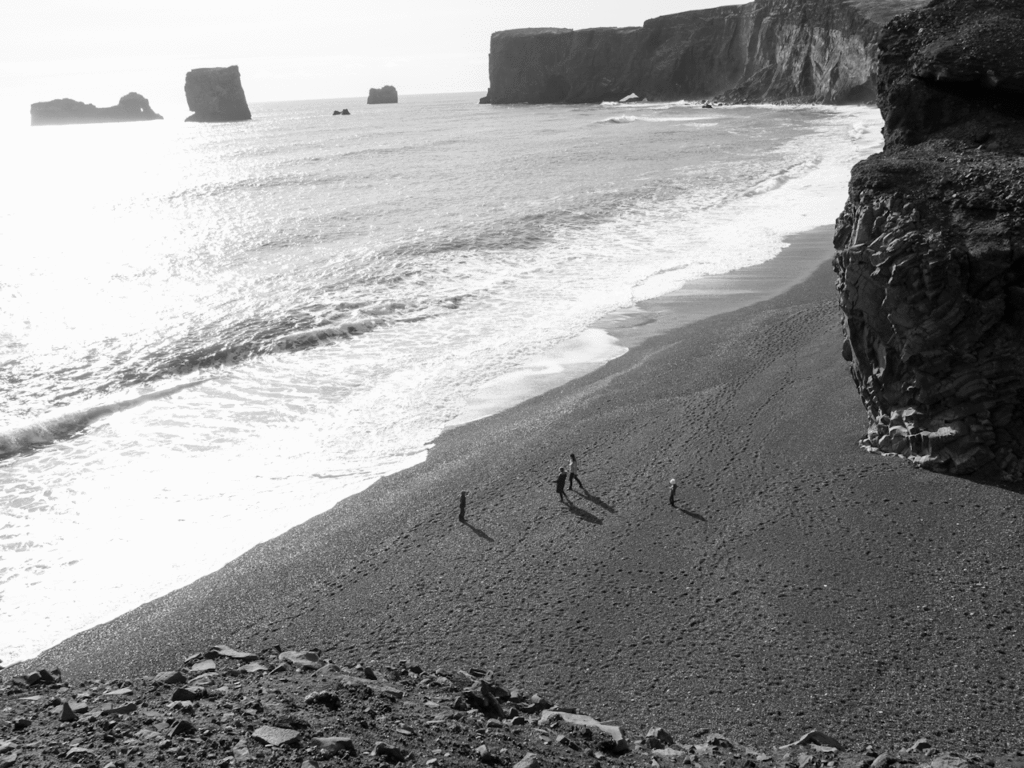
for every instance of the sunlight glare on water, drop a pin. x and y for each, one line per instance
(211, 333)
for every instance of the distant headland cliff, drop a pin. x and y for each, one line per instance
(215, 95)
(386, 95)
(131, 107)
(931, 244)
(768, 50)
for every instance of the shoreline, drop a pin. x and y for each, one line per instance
(617, 332)
(799, 583)
(623, 329)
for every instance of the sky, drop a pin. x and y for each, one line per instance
(98, 50)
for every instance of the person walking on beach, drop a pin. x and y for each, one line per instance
(672, 492)
(560, 484)
(462, 507)
(574, 467)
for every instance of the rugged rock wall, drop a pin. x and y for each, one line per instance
(215, 95)
(386, 95)
(131, 107)
(768, 50)
(931, 243)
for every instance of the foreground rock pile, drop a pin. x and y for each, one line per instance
(227, 707)
(931, 244)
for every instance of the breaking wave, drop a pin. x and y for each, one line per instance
(67, 422)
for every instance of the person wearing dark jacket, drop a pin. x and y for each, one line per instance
(560, 484)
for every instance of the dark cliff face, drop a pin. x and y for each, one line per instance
(131, 107)
(931, 243)
(215, 95)
(388, 94)
(769, 50)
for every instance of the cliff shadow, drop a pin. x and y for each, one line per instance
(1015, 487)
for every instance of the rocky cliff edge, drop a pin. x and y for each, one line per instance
(768, 50)
(930, 247)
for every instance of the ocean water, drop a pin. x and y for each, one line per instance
(211, 333)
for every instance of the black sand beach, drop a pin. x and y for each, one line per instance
(799, 582)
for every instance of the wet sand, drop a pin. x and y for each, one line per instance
(798, 583)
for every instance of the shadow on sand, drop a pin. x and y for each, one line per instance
(476, 530)
(582, 514)
(594, 499)
(694, 515)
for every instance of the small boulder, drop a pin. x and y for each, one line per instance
(390, 753)
(658, 738)
(669, 753)
(336, 745)
(485, 756)
(564, 741)
(181, 728)
(302, 659)
(718, 740)
(119, 709)
(949, 761)
(327, 699)
(231, 653)
(173, 677)
(613, 737)
(816, 737)
(240, 752)
(191, 693)
(481, 698)
(275, 737)
(530, 760)
(67, 714)
(536, 704)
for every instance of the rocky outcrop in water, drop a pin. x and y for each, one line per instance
(131, 107)
(768, 50)
(215, 95)
(931, 243)
(386, 95)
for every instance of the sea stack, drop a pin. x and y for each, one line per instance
(215, 95)
(386, 95)
(930, 247)
(131, 107)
